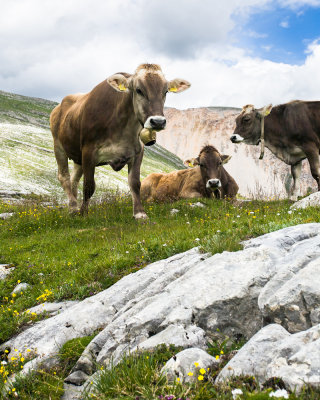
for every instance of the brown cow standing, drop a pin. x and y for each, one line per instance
(103, 126)
(207, 179)
(291, 132)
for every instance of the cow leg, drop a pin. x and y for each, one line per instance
(312, 153)
(135, 184)
(75, 178)
(88, 166)
(295, 172)
(64, 176)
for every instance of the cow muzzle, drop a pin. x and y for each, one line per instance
(236, 138)
(148, 136)
(213, 184)
(155, 122)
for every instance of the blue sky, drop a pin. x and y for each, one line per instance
(233, 52)
(281, 34)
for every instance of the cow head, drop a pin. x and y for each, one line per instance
(148, 88)
(211, 163)
(248, 124)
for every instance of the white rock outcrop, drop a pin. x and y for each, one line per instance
(5, 270)
(310, 201)
(21, 287)
(274, 352)
(186, 365)
(188, 297)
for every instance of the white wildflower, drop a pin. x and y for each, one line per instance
(236, 392)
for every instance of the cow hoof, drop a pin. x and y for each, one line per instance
(141, 216)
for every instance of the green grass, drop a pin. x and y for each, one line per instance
(24, 109)
(139, 377)
(64, 257)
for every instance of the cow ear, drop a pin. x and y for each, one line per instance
(178, 85)
(119, 82)
(191, 162)
(266, 110)
(225, 159)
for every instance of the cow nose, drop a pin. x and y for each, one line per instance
(233, 138)
(213, 183)
(157, 122)
(236, 138)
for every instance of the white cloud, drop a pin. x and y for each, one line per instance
(50, 51)
(295, 4)
(284, 23)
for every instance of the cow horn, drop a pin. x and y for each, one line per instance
(265, 110)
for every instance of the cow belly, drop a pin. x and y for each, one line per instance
(115, 155)
(290, 155)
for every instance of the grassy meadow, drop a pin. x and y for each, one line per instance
(66, 257)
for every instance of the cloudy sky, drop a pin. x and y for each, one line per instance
(233, 52)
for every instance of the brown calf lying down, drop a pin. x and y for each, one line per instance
(208, 179)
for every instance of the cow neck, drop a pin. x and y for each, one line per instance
(128, 105)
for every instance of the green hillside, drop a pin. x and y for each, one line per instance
(27, 162)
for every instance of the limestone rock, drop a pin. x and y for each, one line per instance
(310, 201)
(5, 270)
(274, 352)
(72, 392)
(6, 215)
(186, 298)
(186, 365)
(77, 378)
(197, 204)
(52, 308)
(20, 287)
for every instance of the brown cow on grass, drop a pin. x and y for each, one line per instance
(207, 179)
(291, 132)
(103, 127)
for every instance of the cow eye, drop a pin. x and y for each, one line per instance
(247, 118)
(139, 92)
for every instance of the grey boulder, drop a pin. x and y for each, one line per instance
(274, 352)
(310, 201)
(186, 365)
